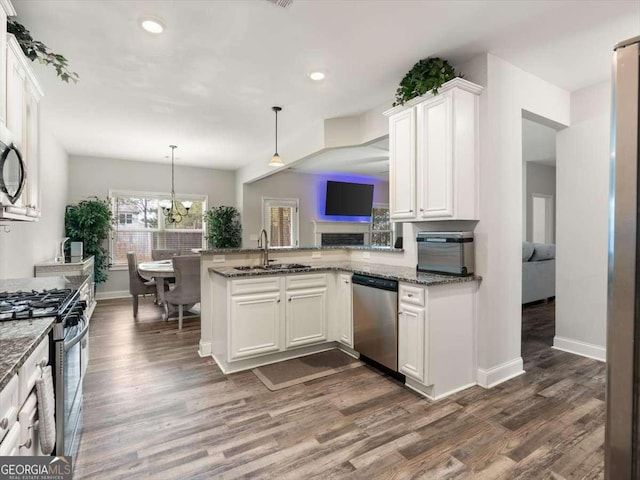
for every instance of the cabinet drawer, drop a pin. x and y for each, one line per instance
(29, 435)
(30, 370)
(9, 405)
(412, 295)
(11, 443)
(255, 285)
(294, 282)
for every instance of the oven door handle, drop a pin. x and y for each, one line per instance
(80, 336)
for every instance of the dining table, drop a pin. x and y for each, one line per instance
(160, 271)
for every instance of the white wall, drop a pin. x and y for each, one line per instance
(29, 243)
(583, 154)
(95, 176)
(308, 188)
(540, 179)
(509, 92)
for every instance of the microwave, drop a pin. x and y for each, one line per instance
(446, 252)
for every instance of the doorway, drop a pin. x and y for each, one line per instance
(538, 246)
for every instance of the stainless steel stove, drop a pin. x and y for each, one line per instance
(68, 333)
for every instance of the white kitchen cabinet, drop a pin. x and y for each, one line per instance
(9, 405)
(306, 317)
(433, 153)
(402, 169)
(436, 337)
(254, 326)
(411, 337)
(345, 309)
(6, 10)
(10, 445)
(23, 94)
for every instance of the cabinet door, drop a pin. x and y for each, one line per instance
(411, 341)
(254, 325)
(31, 150)
(3, 64)
(435, 158)
(16, 77)
(345, 310)
(402, 165)
(306, 317)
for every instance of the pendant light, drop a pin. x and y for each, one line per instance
(173, 210)
(276, 161)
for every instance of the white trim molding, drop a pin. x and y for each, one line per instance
(583, 349)
(501, 373)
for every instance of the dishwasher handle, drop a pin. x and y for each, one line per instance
(375, 282)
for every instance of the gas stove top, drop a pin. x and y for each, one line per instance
(34, 304)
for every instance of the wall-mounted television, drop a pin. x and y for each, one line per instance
(349, 199)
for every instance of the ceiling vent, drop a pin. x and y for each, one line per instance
(281, 3)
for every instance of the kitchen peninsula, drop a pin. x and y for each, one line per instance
(253, 316)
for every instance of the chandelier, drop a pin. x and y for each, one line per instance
(173, 210)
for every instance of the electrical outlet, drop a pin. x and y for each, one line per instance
(366, 254)
(218, 259)
(253, 237)
(316, 255)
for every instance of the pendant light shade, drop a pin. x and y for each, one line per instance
(276, 161)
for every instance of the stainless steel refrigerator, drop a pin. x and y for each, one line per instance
(622, 456)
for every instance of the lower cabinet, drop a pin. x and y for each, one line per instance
(255, 324)
(411, 337)
(259, 325)
(345, 309)
(306, 317)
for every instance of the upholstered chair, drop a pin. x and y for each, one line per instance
(187, 289)
(137, 284)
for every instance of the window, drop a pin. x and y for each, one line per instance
(381, 226)
(141, 227)
(280, 220)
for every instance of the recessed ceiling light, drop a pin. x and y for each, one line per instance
(317, 76)
(152, 25)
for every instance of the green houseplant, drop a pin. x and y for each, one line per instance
(90, 222)
(36, 50)
(426, 76)
(223, 227)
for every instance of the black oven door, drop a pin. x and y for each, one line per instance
(13, 174)
(73, 385)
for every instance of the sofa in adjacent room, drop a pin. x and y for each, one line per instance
(538, 271)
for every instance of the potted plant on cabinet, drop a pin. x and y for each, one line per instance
(90, 222)
(427, 75)
(223, 227)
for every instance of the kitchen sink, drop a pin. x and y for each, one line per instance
(244, 268)
(285, 266)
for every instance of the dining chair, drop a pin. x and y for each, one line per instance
(187, 289)
(164, 254)
(137, 284)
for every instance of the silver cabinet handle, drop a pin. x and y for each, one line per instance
(26, 444)
(278, 300)
(289, 299)
(422, 209)
(347, 282)
(4, 423)
(409, 295)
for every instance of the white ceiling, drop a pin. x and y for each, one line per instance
(207, 83)
(538, 143)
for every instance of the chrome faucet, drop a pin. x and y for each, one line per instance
(263, 243)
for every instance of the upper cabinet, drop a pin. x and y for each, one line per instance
(22, 120)
(433, 153)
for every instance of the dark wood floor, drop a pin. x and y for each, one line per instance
(154, 409)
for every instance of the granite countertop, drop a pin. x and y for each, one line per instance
(391, 272)
(68, 261)
(18, 339)
(42, 283)
(366, 248)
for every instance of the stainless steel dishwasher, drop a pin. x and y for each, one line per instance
(375, 319)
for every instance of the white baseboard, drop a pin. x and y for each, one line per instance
(577, 347)
(204, 349)
(493, 376)
(112, 294)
